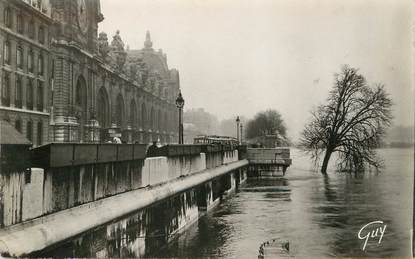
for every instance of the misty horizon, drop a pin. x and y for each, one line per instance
(243, 57)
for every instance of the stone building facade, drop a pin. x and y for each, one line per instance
(25, 74)
(93, 89)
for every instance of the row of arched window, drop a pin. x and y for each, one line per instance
(24, 25)
(155, 119)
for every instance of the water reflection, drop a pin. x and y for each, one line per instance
(319, 215)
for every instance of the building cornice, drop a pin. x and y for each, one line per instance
(24, 38)
(24, 111)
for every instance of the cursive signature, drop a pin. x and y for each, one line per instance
(374, 229)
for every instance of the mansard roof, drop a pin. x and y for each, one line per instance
(145, 66)
(155, 61)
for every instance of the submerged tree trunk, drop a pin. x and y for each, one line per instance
(326, 160)
(353, 121)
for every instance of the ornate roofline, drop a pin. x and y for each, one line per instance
(105, 66)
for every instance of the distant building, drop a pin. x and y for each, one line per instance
(190, 132)
(61, 82)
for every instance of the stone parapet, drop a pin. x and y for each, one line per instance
(39, 233)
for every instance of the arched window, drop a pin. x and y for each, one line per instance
(6, 52)
(29, 95)
(7, 17)
(79, 94)
(81, 99)
(144, 120)
(133, 114)
(29, 130)
(19, 92)
(139, 119)
(119, 111)
(103, 108)
(5, 90)
(18, 125)
(39, 133)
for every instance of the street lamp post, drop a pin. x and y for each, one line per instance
(241, 133)
(237, 128)
(179, 105)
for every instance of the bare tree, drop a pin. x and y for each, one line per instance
(352, 123)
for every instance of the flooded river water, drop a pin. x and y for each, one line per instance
(320, 216)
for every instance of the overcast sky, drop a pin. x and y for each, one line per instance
(244, 56)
